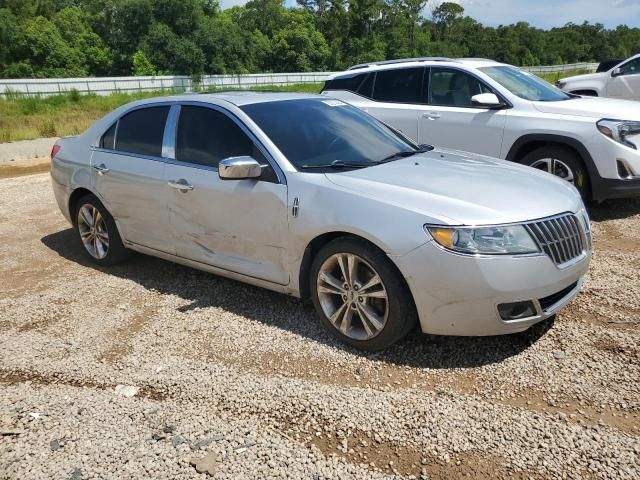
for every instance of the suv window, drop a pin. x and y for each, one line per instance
(402, 85)
(631, 68)
(109, 137)
(454, 88)
(141, 131)
(206, 136)
(349, 82)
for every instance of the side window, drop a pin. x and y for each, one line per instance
(454, 88)
(206, 136)
(109, 137)
(631, 68)
(141, 131)
(350, 82)
(401, 85)
(366, 87)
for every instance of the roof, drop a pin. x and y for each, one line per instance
(412, 62)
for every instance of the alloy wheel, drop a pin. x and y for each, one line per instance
(352, 296)
(555, 167)
(93, 231)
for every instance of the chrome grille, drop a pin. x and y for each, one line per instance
(563, 238)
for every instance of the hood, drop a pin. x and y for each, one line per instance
(595, 107)
(459, 188)
(585, 78)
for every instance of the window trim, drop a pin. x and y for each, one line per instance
(265, 152)
(502, 98)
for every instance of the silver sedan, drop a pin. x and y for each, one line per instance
(308, 196)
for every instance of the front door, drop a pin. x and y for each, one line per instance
(450, 120)
(236, 225)
(627, 84)
(128, 174)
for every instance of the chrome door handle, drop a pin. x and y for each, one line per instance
(181, 184)
(101, 169)
(431, 115)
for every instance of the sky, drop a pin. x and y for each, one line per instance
(539, 13)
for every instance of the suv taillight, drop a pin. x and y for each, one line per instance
(54, 151)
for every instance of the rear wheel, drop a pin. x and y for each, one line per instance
(97, 232)
(561, 162)
(360, 296)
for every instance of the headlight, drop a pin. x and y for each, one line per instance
(512, 239)
(620, 131)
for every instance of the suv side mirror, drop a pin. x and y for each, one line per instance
(239, 168)
(616, 72)
(487, 100)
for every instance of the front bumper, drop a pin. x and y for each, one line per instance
(459, 294)
(606, 182)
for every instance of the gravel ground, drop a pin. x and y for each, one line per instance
(26, 149)
(150, 369)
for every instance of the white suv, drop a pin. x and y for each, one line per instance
(622, 80)
(501, 111)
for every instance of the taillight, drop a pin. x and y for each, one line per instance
(55, 150)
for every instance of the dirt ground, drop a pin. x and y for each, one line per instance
(249, 377)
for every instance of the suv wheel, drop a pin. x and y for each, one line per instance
(98, 233)
(562, 163)
(360, 296)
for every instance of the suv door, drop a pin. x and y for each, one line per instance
(627, 84)
(396, 94)
(450, 120)
(128, 174)
(236, 225)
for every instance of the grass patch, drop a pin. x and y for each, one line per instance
(554, 77)
(25, 118)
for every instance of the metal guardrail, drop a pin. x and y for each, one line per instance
(181, 83)
(592, 67)
(108, 85)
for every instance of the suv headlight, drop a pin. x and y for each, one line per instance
(499, 240)
(620, 130)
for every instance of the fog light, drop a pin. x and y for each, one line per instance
(516, 310)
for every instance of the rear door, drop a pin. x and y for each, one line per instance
(450, 120)
(237, 225)
(397, 94)
(128, 174)
(627, 84)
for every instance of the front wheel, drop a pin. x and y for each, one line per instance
(360, 296)
(562, 163)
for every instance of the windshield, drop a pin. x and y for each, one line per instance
(318, 132)
(525, 85)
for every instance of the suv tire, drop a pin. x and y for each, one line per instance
(562, 162)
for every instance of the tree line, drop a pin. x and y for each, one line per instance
(76, 38)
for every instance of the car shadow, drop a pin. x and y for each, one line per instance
(614, 209)
(203, 290)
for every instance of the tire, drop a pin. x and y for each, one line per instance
(386, 320)
(563, 163)
(102, 243)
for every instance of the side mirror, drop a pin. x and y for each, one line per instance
(487, 100)
(239, 168)
(616, 72)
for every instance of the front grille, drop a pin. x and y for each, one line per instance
(562, 238)
(551, 300)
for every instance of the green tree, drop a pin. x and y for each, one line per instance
(142, 66)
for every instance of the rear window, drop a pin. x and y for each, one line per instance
(349, 82)
(109, 137)
(402, 85)
(141, 131)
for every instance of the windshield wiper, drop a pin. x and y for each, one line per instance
(406, 153)
(339, 164)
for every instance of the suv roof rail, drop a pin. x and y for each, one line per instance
(402, 60)
(478, 59)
